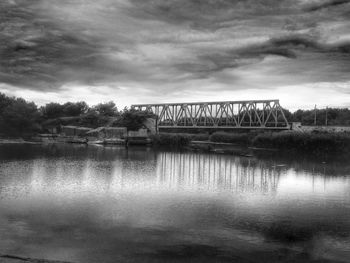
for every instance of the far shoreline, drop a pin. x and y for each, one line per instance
(315, 144)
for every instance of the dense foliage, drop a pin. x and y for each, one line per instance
(55, 110)
(132, 119)
(237, 138)
(306, 142)
(18, 117)
(289, 141)
(177, 140)
(311, 143)
(333, 116)
(106, 109)
(328, 116)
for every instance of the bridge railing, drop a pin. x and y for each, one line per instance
(225, 114)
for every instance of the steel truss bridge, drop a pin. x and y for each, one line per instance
(256, 114)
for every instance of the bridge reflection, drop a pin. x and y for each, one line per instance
(215, 172)
(92, 172)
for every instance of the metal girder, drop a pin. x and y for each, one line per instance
(255, 114)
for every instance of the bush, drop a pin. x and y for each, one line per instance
(18, 117)
(175, 140)
(106, 109)
(314, 143)
(238, 138)
(198, 137)
(133, 119)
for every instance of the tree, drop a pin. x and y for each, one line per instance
(335, 116)
(52, 110)
(133, 119)
(75, 109)
(19, 118)
(106, 109)
(90, 119)
(5, 101)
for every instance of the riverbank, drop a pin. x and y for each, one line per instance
(310, 143)
(286, 142)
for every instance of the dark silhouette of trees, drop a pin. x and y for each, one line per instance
(75, 108)
(4, 101)
(334, 116)
(106, 109)
(52, 110)
(55, 110)
(18, 116)
(133, 119)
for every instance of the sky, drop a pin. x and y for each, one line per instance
(155, 51)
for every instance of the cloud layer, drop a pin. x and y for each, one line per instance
(174, 49)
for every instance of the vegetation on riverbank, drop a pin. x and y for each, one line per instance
(315, 143)
(177, 140)
(20, 118)
(306, 142)
(236, 138)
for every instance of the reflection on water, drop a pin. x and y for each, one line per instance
(99, 204)
(215, 172)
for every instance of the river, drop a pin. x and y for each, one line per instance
(82, 203)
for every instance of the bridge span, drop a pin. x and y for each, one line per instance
(254, 114)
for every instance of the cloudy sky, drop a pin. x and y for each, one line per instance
(151, 51)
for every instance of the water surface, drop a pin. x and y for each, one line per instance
(106, 204)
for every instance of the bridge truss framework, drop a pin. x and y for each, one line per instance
(265, 114)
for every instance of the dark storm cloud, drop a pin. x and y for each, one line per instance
(209, 14)
(325, 4)
(289, 46)
(168, 45)
(37, 52)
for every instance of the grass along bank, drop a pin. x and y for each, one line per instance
(177, 140)
(304, 142)
(314, 143)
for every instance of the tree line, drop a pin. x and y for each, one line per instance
(328, 116)
(20, 117)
